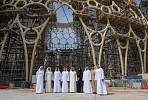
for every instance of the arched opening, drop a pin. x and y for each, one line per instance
(133, 61)
(65, 42)
(12, 63)
(110, 57)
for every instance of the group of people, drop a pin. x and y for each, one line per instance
(86, 81)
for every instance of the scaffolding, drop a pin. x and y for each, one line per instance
(112, 33)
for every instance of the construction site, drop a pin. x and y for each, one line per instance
(73, 33)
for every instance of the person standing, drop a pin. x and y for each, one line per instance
(57, 80)
(93, 80)
(65, 79)
(87, 88)
(39, 83)
(99, 76)
(79, 78)
(48, 79)
(73, 79)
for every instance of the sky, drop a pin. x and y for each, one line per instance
(61, 16)
(137, 1)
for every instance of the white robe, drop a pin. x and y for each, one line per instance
(87, 88)
(57, 81)
(101, 86)
(73, 79)
(65, 79)
(48, 78)
(39, 83)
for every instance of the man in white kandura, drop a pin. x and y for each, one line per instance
(99, 76)
(65, 79)
(48, 79)
(39, 83)
(73, 79)
(87, 88)
(57, 80)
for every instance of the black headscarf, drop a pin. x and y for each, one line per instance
(79, 73)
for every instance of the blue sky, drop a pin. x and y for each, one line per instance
(137, 1)
(61, 16)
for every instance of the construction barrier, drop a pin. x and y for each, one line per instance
(4, 85)
(21, 84)
(145, 76)
(133, 77)
(144, 85)
(136, 85)
(32, 86)
(107, 85)
(11, 85)
(107, 82)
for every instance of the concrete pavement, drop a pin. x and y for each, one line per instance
(114, 94)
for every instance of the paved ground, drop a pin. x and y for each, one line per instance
(114, 94)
